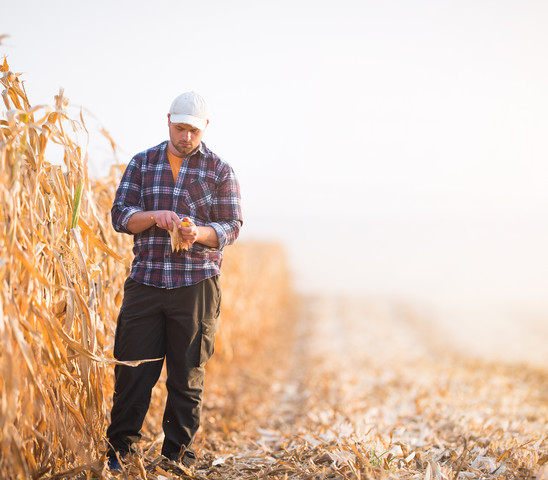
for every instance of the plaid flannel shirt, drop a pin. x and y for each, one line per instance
(206, 190)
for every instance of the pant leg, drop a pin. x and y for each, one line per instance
(140, 335)
(191, 324)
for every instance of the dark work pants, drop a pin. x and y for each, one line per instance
(178, 325)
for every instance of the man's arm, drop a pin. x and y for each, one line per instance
(226, 212)
(140, 221)
(205, 235)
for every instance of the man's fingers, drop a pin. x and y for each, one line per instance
(169, 220)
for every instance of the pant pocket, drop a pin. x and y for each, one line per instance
(117, 334)
(207, 347)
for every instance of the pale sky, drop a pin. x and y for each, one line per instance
(395, 147)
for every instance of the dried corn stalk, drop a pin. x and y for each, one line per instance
(59, 273)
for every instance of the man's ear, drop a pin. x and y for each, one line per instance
(168, 118)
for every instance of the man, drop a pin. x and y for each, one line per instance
(171, 298)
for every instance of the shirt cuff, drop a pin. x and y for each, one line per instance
(128, 213)
(221, 234)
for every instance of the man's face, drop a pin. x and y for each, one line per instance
(183, 138)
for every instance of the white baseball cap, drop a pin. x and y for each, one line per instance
(189, 108)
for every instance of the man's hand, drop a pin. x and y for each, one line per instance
(165, 219)
(191, 233)
(188, 234)
(140, 221)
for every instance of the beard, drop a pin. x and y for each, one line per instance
(183, 150)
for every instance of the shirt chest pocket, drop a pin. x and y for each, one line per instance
(198, 197)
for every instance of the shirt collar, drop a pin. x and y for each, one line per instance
(201, 149)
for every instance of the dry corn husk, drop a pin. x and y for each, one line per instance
(177, 242)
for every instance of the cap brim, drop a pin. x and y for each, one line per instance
(199, 123)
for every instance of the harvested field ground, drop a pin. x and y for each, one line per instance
(315, 388)
(367, 389)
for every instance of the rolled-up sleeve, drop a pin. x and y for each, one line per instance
(127, 200)
(227, 232)
(227, 210)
